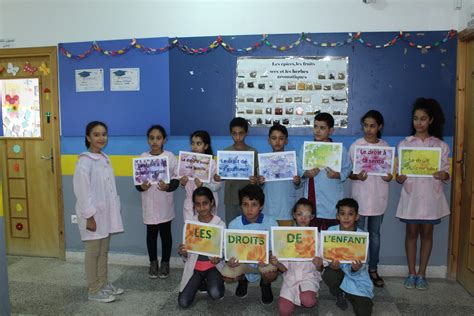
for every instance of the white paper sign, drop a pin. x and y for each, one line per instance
(124, 79)
(88, 80)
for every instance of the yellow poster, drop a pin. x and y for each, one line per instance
(203, 239)
(419, 161)
(345, 246)
(294, 243)
(247, 246)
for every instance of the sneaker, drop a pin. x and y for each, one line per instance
(153, 271)
(203, 287)
(164, 270)
(109, 287)
(410, 281)
(267, 294)
(241, 290)
(101, 296)
(421, 283)
(341, 301)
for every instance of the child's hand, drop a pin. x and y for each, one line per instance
(311, 173)
(183, 181)
(145, 186)
(297, 180)
(91, 224)
(162, 186)
(331, 174)
(198, 183)
(217, 178)
(214, 260)
(441, 175)
(260, 180)
(233, 263)
(182, 250)
(318, 263)
(356, 265)
(388, 177)
(253, 180)
(362, 176)
(401, 178)
(335, 264)
(274, 260)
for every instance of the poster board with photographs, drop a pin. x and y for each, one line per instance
(291, 90)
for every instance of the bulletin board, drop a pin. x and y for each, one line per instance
(203, 88)
(127, 113)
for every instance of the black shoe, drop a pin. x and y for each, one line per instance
(267, 294)
(203, 287)
(341, 301)
(241, 290)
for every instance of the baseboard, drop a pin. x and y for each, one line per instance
(176, 262)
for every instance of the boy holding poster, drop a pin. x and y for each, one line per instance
(238, 129)
(349, 280)
(252, 199)
(199, 269)
(281, 195)
(324, 187)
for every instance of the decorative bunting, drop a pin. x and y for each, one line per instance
(44, 69)
(13, 70)
(303, 38)
(29, 68)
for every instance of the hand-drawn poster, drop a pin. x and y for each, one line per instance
(294, 243)
(247, 246)
(194, 165)
(375, 160)
(321, 155)
(151, 170)
(277, 166)
(419, 161)
(237, 165)
(203, 238)
(345, 246)
(20, 104)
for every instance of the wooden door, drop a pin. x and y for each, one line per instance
(465, 159)
(30, 156)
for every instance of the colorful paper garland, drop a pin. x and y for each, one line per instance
(303, 38)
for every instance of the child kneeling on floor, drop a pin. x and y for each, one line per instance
(251, 200)
(201, 270)
(349, 280)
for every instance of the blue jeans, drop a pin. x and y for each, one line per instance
(373, 227)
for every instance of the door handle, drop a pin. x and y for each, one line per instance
(50, 157)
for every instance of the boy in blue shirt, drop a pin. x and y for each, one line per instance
(281, 195)
(349, 280)
(252, 199)
(325, 187)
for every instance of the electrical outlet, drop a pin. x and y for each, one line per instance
(74, 219)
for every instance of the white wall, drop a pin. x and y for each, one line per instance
(48, 22)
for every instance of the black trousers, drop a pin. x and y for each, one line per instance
(215, 286)
(333, 278)
(166, 241)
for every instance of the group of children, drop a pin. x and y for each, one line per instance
(422, 205)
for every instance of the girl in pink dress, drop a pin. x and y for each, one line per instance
(201, 144)
(371, 192)
(158, 206)
(300, 278)
(422, 202)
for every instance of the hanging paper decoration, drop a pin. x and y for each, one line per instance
(29, 68)
(44, 69)
(46, 92)
(2, 69)
(13, 70)
(303, 38)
